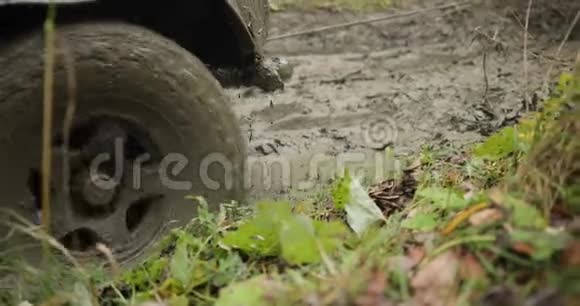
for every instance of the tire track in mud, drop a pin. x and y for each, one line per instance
(427, 83)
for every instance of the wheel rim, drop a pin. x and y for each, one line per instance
(107, 189)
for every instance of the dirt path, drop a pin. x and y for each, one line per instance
(399, 84)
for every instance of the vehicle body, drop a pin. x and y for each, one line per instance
(222, 34)
(132, 79)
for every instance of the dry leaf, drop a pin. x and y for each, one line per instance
(416, 254)
(435, 284)
(486, 217)
(412, 213)
(375, 293)
(394, 195)
(471, 268)
(523, 248)
(401, 264)
(571, 256)
(496, 196)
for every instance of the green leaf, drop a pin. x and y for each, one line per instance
(361, 211)
(442, 198)
(331, 235)
(299, 245)
(424, 222)
(545, 244)
(248, 293)
(228, 269)
(498, 146)
(524, 215)
(179, 300)
(149, 272)
(260, 235)
(180, 265)
(303, 239)
(276, 231)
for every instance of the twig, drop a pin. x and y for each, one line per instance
(457, 5)
(568, 33)
(24, 226)
(70, 112)
(562, 44)
(485, 79)
(49, 59)
(527, 26)
(108, 253)
(520, 23)
(490, 41)
(342, 79)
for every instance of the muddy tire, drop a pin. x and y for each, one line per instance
(144, 108)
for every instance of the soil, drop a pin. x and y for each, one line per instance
(401, 84)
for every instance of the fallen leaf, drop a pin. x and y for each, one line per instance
(438, 272)
(540, 245)
(427, 240)
(412, 213)
(402, 264)
(471, 268)
(374, 295)
(435, 284)
(571, 256)
(416, 254)
(545, 297)
(361, 211)
(523, 248)
(486, 217)
(499, 296)
(394, 195)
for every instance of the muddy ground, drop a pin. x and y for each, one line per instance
(401, 84)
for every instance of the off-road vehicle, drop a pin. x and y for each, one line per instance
(140, 119)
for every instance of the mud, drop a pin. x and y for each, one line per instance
(400, 84)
